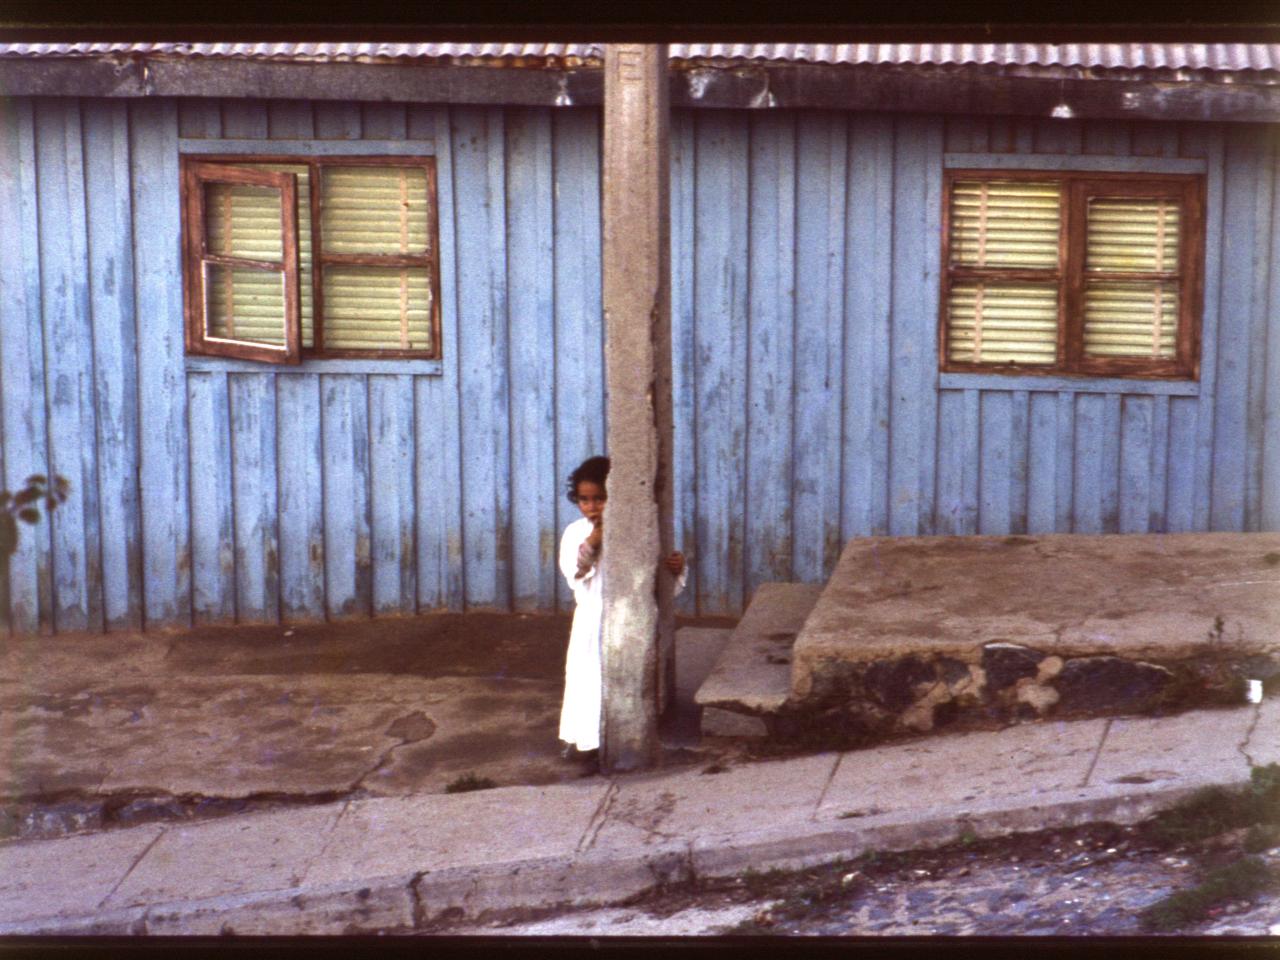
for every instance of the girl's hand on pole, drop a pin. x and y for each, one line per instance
(596, 536)
(675, 563)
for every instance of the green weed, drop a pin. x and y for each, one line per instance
(1215, 810)
(469, 781)
(1238, 880)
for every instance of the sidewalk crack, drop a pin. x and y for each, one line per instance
(822, 794)
(137, 860)
(1097, 754)
(1243, 745)
(598, 818)
(324, 847)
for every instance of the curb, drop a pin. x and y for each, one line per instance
(407, 902)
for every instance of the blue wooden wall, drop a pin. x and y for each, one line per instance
(809, 408)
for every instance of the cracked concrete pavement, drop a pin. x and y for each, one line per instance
(368, 727)
(307, 714)
(403, 862)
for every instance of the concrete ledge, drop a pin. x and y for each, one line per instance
(914, 633)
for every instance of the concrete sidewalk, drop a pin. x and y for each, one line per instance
(395, 863)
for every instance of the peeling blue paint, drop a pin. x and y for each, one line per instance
(808, 405)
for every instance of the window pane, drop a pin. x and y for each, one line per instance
(242, 220)
(244, 304)
(377, 308)
(379, 210)
(991, 322)
(1131, 320)
(1005, 223)
(1133, 235)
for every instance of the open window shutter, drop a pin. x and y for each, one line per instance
(1131, 290)
(242, 266)
(999, 226)
(376, 228)
(306, 307)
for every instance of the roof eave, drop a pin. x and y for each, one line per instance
(1013, 91)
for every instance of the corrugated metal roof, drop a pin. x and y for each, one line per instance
(1213, 57)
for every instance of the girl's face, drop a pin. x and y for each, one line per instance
(591, 499)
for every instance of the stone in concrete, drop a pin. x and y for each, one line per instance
(72, 876)
(1109, 685)
(1150, 596)
(222, 858)
(753, 673)
(1200, 747)
(1007, 663)
(662, 808)
(958, 771)
(424, 834)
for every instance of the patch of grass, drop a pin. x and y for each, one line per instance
(1271, 559)
(469, 781)
(1238, 880)
(1262, 836)
(759, 883)
(1215, 810)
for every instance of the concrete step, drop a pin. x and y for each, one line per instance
(752, 677)
(915, 633)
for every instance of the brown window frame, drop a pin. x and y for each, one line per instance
(236, 168)
(198, 258)
(1070, 275)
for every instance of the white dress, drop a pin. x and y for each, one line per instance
(583, 676)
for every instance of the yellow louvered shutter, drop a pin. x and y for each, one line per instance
(1134, 314)
(1011, 223)
(377, 283)
(998, 226)
(243, 303)
(1003, 322)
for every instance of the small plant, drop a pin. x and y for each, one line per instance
(1261, 836)
(468, 782)
(1215, 635)
(1214, 810)
(1239, 880)
(24, 506)
(758, 883)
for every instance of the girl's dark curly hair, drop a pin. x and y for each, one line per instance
(593, 469)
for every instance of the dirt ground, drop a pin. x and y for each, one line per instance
(117, 729)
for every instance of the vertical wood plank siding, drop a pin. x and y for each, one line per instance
(808, 406)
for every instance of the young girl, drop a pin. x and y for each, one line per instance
(580, 564)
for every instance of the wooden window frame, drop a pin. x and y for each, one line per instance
(194, 246)
(1070, 275)
(197, 258)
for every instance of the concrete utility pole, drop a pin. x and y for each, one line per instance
(639, 624)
